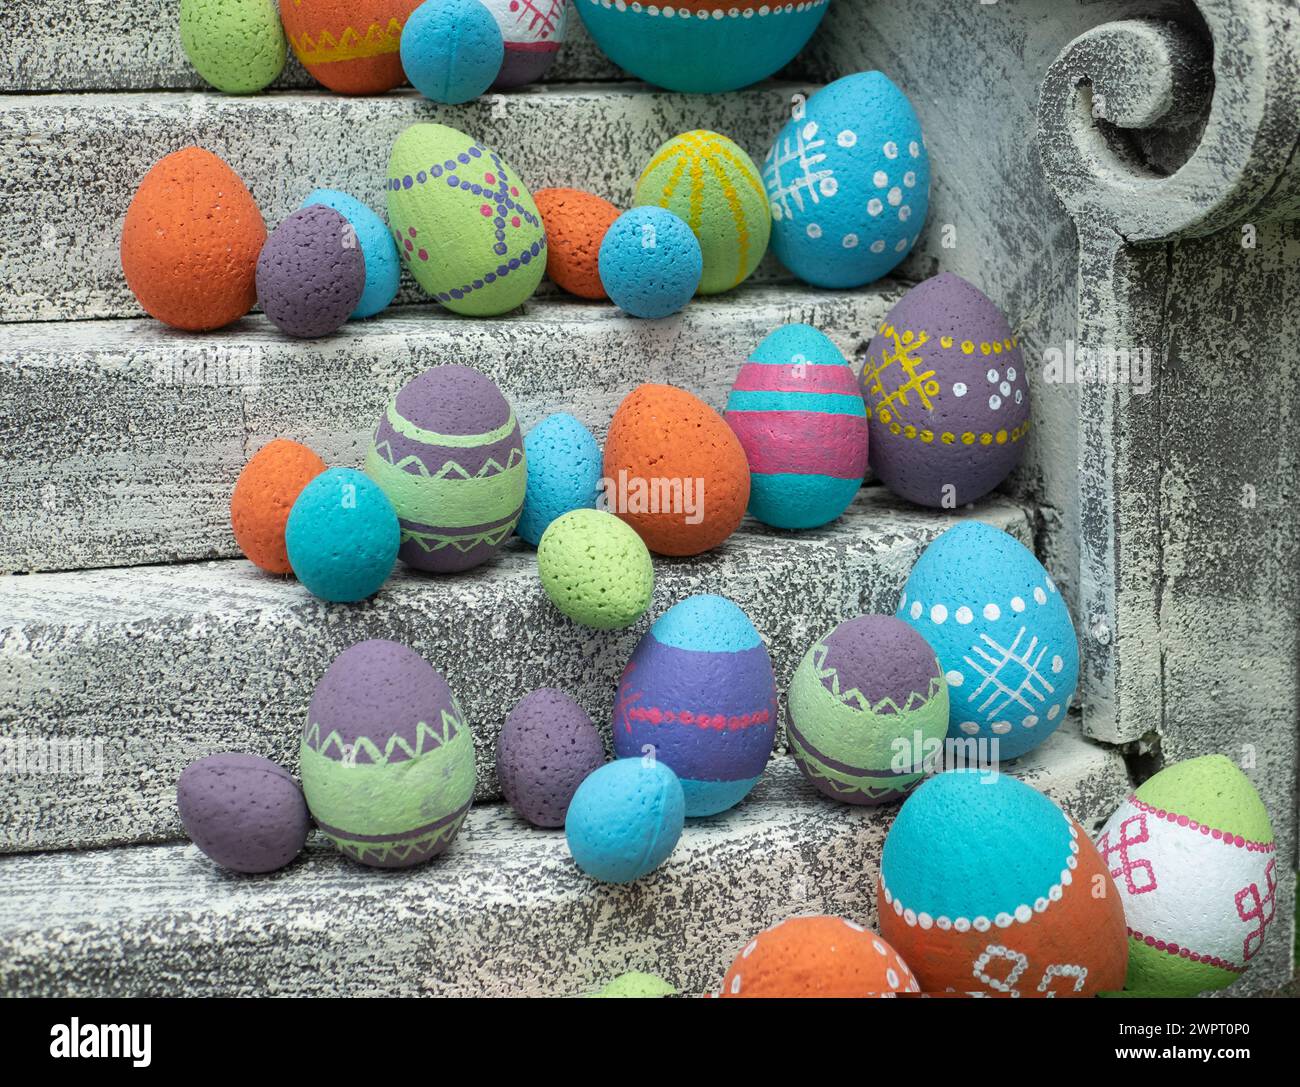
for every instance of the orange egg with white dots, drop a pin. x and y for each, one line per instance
(818, 956)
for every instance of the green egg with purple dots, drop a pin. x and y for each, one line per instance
(464, 221)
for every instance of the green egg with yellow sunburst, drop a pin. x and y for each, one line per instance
(708, 181)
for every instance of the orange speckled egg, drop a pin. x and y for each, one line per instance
(264, 494)
(674, 471)
(350, 46)
(190, 242)
(575, 223)
(818, 957)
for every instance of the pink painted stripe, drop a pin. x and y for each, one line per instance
(1171, 948)
(763, 377)
(1214, 833)
(808, 444)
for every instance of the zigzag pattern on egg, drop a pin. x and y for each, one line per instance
(332, 745)
(325, 48)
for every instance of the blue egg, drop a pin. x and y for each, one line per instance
(1002, 634)
(383, 268)
(452, 50)
(848, 180)
(564, 471)
(650, 262)
(342, 536)
(625, 819)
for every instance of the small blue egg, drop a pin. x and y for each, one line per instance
(342, 536)
(452, 50)
(383, 268)
(625, 818)
(564, 471)
(650, 262)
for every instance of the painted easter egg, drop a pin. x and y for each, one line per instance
(546, 749)
(699, 690)
(576, 223)
(1002, 634)
(848, 181)
(464, 222)
(264, 494)
(190, 242)
(383, 268)
(946, 393)
(624, 819)
(818, 956)
(349, 46)
(243, 811)
(236, 45)
(796, 409)
(636, 984)
(709, 182)
(987, 887)
(342, 536)
(863, 704)
(387, 756)
(564, 467)
(311, 273)
(650, 263)
(448, 453)
(1193, 855)
(701, 46)
(596, 569)
(451, 50)
(665, 451)
(533, 31)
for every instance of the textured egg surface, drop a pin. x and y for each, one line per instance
(349, 46)
(264, 494)
(625, 819)
(546, 749)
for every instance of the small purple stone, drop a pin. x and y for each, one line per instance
(311, 272)
(546, 749)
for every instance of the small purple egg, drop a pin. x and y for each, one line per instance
(245, 812)
(311, 272)
(547, 746)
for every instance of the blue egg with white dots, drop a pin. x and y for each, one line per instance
(383, 268)
(1002, 633)
(848, 183)
(564, 471)
(625, 818)
(342, 536)
(650, 262)
(452, 50)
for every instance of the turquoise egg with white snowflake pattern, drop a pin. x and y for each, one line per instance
(1002, 633)
(464, 222)
(848, 183)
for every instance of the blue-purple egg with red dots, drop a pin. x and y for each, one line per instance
(464, 221)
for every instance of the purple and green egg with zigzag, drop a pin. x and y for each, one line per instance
(699, 691)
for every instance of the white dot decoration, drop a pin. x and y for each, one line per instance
(849, 241)
(1057, 665)
(992, 612)
(959, 389)
(890, 149)
(1001, 728)
(880, 178)
(847, 138)
(1011, 373)
(938, 614)
(874, 206)
(810, 130)
(1019, 396)
(909, 179)
(902, 244)
(878, 246)
(829, 186)
(964, 615)
(895, 196)
(891, 976)
(902, 600)
(735, 984)
(1054, 713)
(1017, 604)
(995, 402)
(969, 727)
(1030, 721)
(993, 377)
(955, 678)
(916, 609)
(914, 149)
(814, 231)
(1005, 388)
(904, 213)
(1040, 596)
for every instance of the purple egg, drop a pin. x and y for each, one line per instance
(243, 811)
(547, 746)
(946, 394)
(311, 272)
(449, 454)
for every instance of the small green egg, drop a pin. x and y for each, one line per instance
(236, 45)
(596, 569)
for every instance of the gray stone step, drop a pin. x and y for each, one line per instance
(151, 667)
(74, 161)
(504, 912)
(102, 45)
(125, 438)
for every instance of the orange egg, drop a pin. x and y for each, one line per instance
(264, 494)
(818, 957)
(575, 223)
(190, 242)
(675, 471)
(350, 46)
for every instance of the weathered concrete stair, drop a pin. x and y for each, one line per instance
(73, 162)
(503, 912)
(124, 438)
(160, 665)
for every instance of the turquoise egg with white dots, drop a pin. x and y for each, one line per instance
(1002, 633)
(564, 471)
(848, 182)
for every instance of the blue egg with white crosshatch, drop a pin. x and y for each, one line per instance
(848, 182)
(1002, 633)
